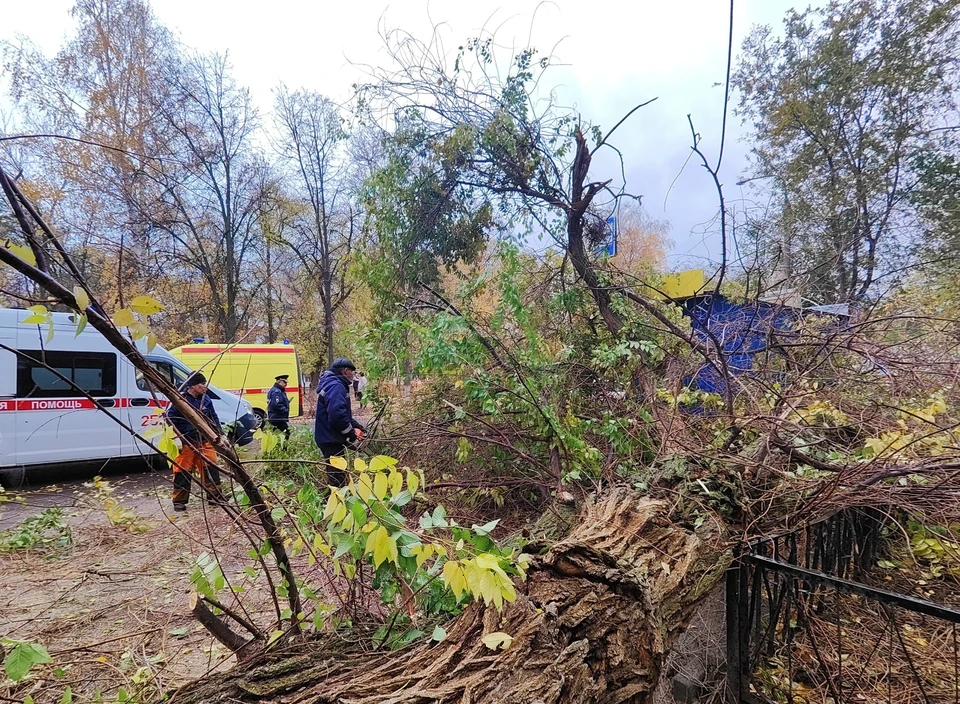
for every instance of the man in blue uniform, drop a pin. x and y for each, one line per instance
(335, 426)
(278, 405)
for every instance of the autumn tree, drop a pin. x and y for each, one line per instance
(840, 106)
(312, 145)
(99, 92)
(206, 192)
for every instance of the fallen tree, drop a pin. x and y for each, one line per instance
(593, 622)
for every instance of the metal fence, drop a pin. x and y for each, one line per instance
(807, 623)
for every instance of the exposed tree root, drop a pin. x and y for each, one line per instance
(593, 622)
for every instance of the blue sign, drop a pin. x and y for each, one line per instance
(610, 248)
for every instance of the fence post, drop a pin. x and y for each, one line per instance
(735, 593)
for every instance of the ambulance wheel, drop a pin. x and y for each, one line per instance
(13, 477)
(261, 418)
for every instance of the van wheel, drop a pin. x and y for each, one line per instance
(261, 418)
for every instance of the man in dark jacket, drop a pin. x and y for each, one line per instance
(278, 405)
(335, 425)
(196, 456)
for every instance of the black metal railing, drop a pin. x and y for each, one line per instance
(806, 622)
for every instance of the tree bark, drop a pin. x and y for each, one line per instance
(593, 622)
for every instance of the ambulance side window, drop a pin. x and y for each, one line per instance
(45, 374)
(168, 371)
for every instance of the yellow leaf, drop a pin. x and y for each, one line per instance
(332, 502)
(123, 318)
(395, 482)
(359, 465)
(382, 546)
(297, 547)
(168, 447)
(381, 462)
(83, 300)
(497, 640)
(151, 342)
(422, 553)
(338, 462)
(340, 513)
(365, 487)
(268, 442)
(454, 578)
(145, 305)
(319, 544)
(49, 329)
(138, 330)
(35, 319)
(380, 485)
(349, 569)
(413, 481)
(38, 309)
(24, 252)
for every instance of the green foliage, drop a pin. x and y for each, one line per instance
(362, 535)
(45, 531)
(843, 104)
(21, 657)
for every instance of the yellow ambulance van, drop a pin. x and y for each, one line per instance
(247, 371)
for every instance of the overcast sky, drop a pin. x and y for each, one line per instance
(615, 55)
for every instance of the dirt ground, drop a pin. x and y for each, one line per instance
(112, 607)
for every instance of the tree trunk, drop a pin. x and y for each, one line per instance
(593, 622)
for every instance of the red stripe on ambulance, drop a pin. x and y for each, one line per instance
(71, 404)
(187, 349)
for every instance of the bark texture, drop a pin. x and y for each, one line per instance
(593, 622)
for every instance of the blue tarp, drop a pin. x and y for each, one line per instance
(743, 331)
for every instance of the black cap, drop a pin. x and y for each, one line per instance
(282, 376)
(195, 378)
(341, 363)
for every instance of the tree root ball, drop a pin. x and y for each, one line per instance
(593, 622)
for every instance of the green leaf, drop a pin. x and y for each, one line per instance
(67, 697)
(486, 528)
(359, 513)
(23, 657)
(274, 637)
(81, 324)
(438, 634)
(178, 632)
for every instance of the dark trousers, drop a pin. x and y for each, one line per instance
(282, 426)
(335, 477)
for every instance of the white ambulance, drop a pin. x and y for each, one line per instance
(48, 423)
